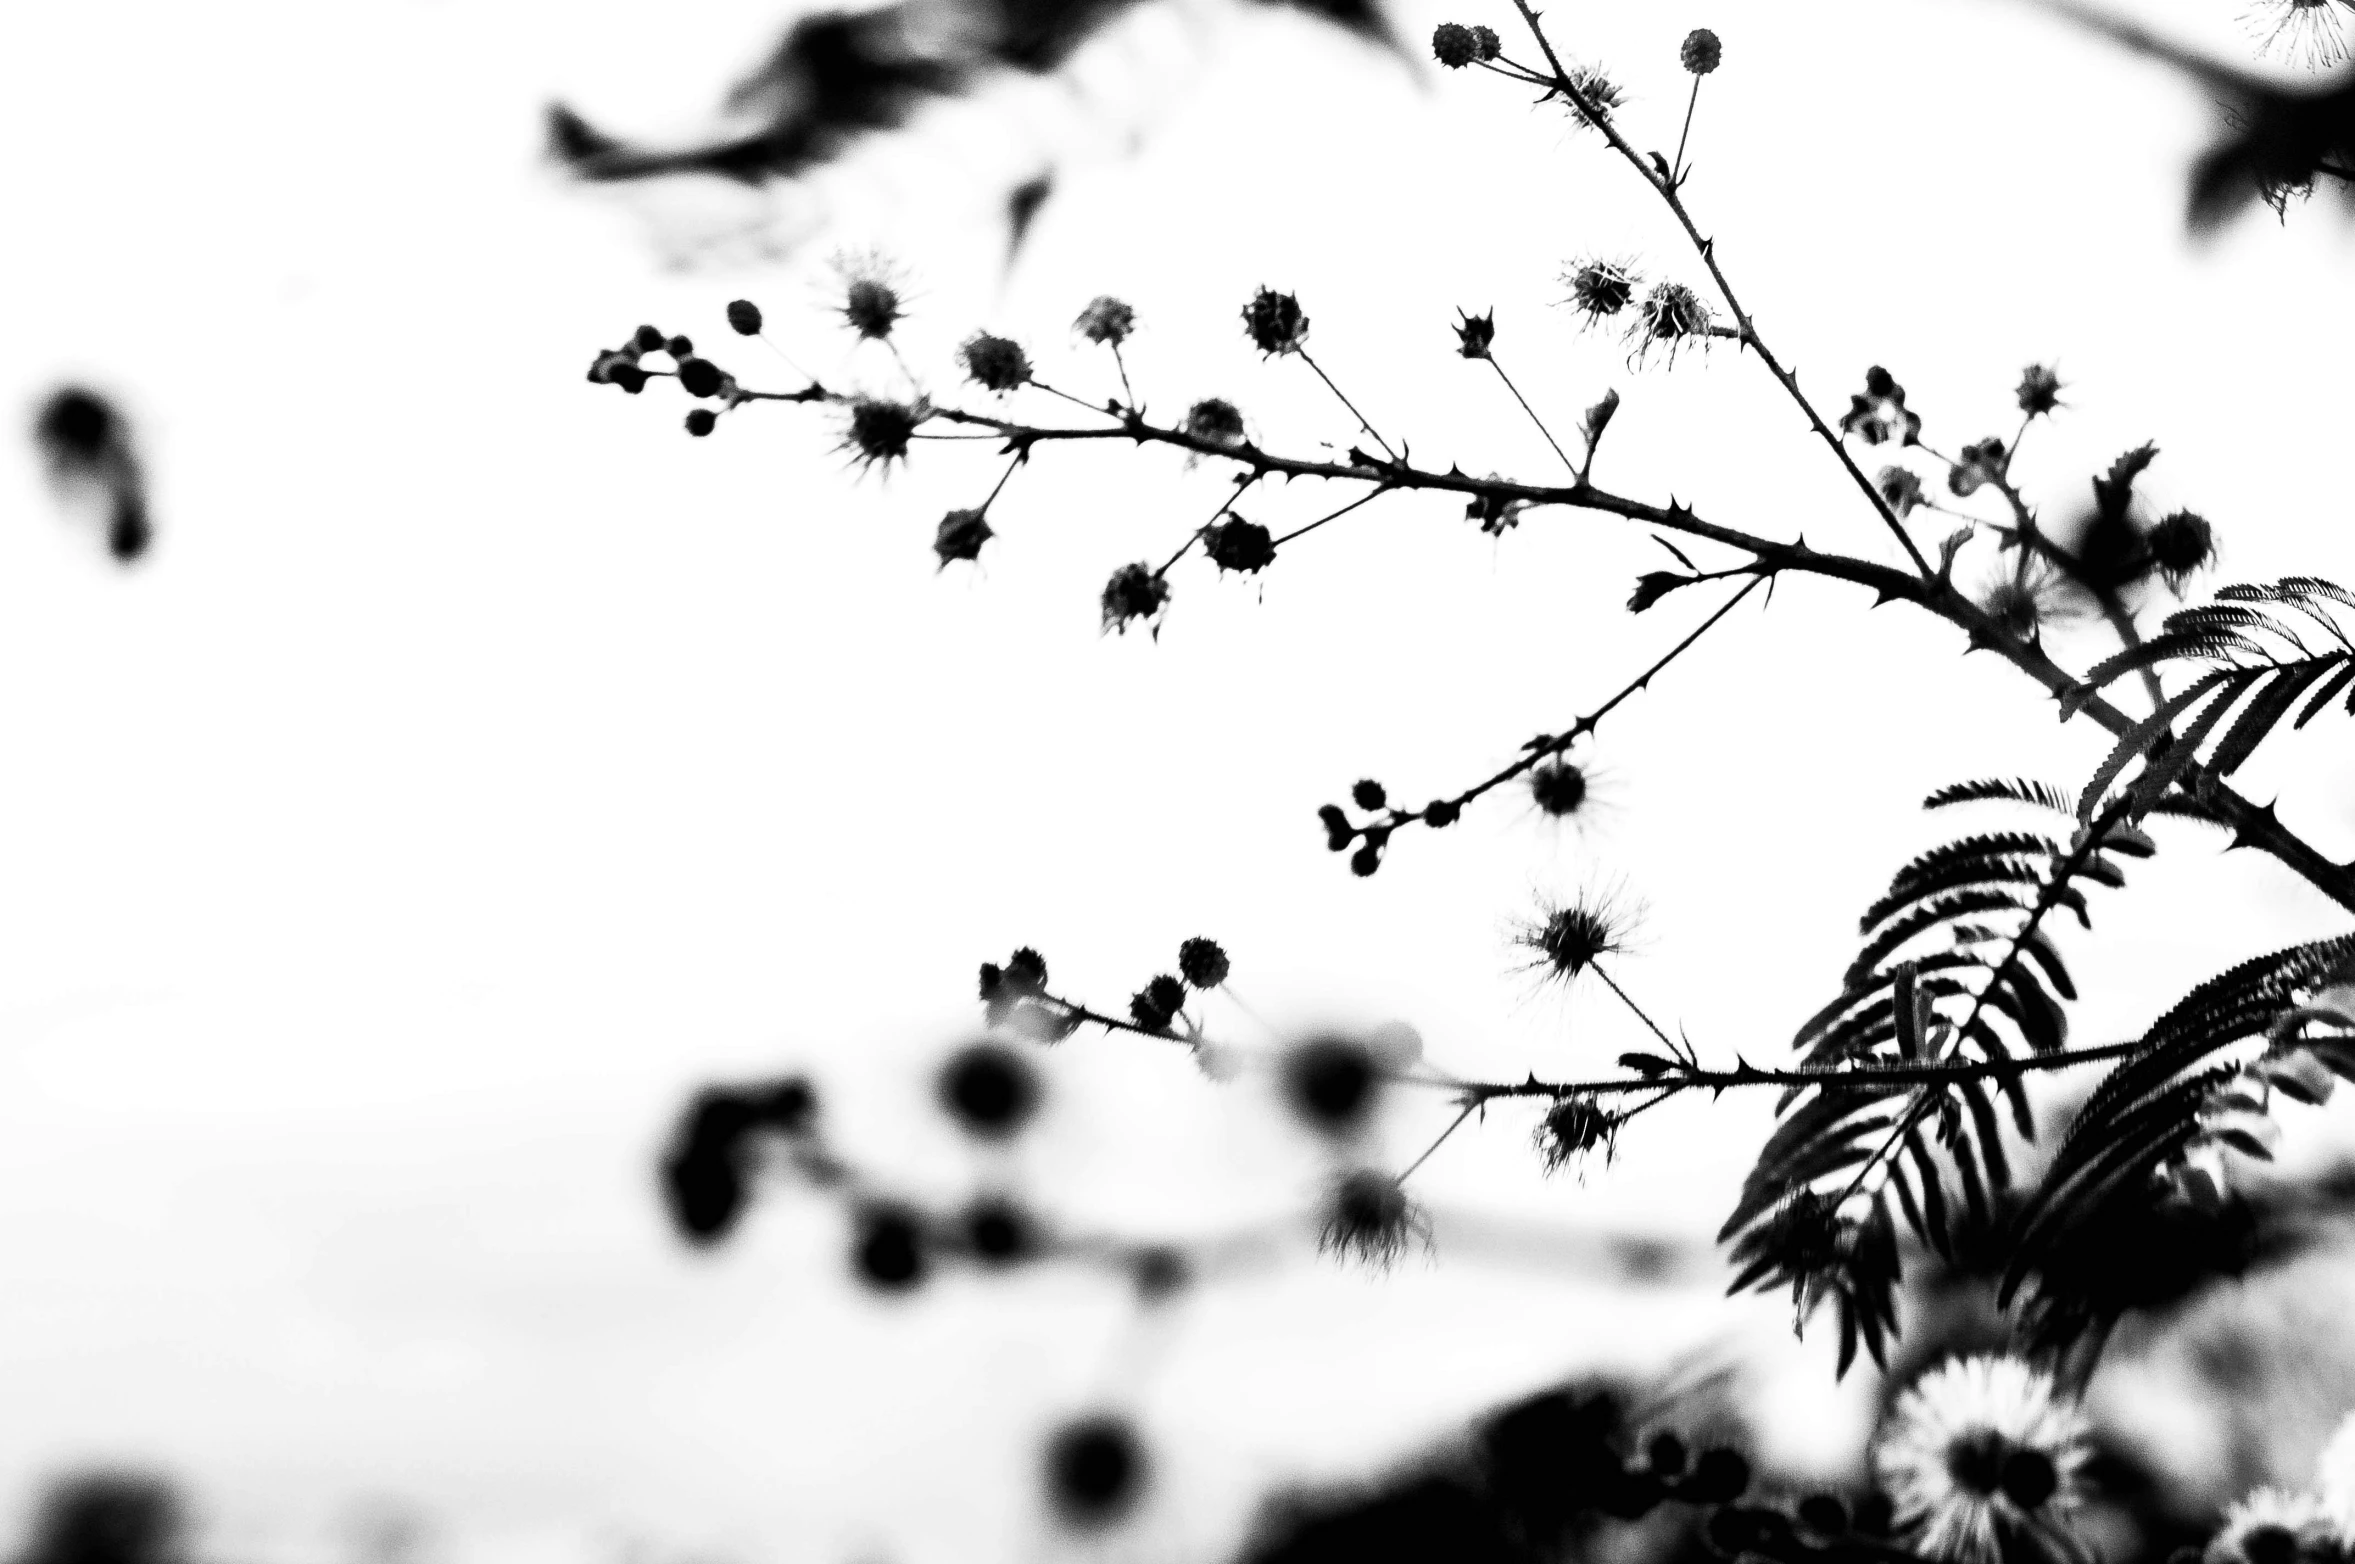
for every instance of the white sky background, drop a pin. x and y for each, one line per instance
(478, 763)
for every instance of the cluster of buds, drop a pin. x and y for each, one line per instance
(698, 377)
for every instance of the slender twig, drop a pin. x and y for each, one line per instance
(1532, 412)
(1436, 1144)
(1640, 1013)
(1346, 402)
(1369, 496)
(1676, 163)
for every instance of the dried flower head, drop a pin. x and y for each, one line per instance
(994, 363)
(1453, 45)
(1594, 90)
(1880, 414)
(2275, 1526)
(1106, 320)
(1559, 788)
(869, 290)
(2040, 390)
(880, 429)
(1274, 322)
(2181, 544)
(1980, 463)
(1369, 1218)
(1236, 544)
(1202, 962)
(961, 534)
(1573, 1127)
(1977, 1452)
(1600, 289)
(1565, 938)
(2307, 33)
(1901, 488)
(1134, 592)
(1475, 333)
(1700, 53)
(1670, 314)
(744, 317)
(1216, 420)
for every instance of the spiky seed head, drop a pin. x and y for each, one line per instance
(1700, 53)
(1600, 289)
(1202, 962)
(961, 534)
(871, 302)
(1670, 314)
(1216, 420)
(1453, 45)
(1598, 89)
(1559, 788)
(2181, 544)
(1368, 1218)
(1571, 1128)
(1134, 592)
(1274, 322)
(1239, 545)
(2040, 390)
(994, 363)
(1106, 320)
(880, 430)
(1475, 334)
(1566, 938)
(1486, 44)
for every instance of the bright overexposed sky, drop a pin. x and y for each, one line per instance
(478, 763)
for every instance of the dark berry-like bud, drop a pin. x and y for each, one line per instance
(1134, 592)
(1274, 322)
(994, 363)
(1106, 320)
(1700, 52)
(1095, 1470)
(1239, 545)
(989, 1089)
(1368, 794)
(649, 339)
(1442, 812)
(679, 347)
(1559, 788)
(2040, 390)
(744, 317)
(1339, 833)
(1202, 962)
(702, 421)
(1666, 1453)
(1486, 44)
(1331, 1082)
(1366, 859)
(888, 1249)
(1160, 1272)
(961, 534)
(617, 368)
(1453, 45)
(1147, 1011)
(1475, 334)
(699, 377)
(1168, 993)
(1718, 1477)
(1216, 420)
(999, 1231)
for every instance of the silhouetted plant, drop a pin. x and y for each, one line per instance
(1906, 1131)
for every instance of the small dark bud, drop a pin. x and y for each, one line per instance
(1652, 586)
(994, 363)
(2181, 544)
(699, 377)
(1134, 592)
(1559, 788)
(888, 1250)
(648, 340)
(1095, 1470)
(1239, 545)
(2040, 391)
(1486, 43)
(1901, 488)
(1331, 1083)
(1146, 1010)
(1718, 1477)
(1442, 812)
(1026, 971)
(871, 307)
(1160, 1273)
(701, 421)
(1368, 794)
(744, 317)
(999, 1232)
(1981, 463)
(679, 347)
(617, 368)
(1365, 860)
(961, 534)
(1202, 962)
(1475, 334)
(989, 1089)
(1454, 46)
(1274, 322)
(1666, 1453)
(1216, 420)
(1701, 52)
(1880, 414)
(785, 1106)
(1339, 833)
(1167, 993)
